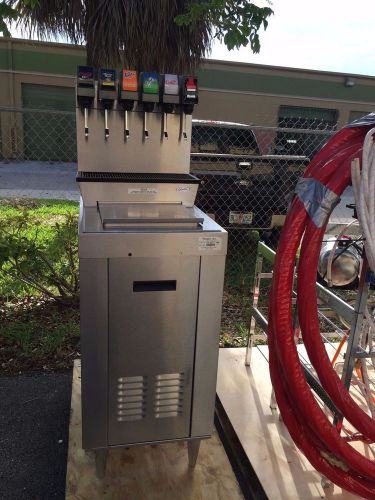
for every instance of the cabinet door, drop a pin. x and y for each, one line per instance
(152, 330)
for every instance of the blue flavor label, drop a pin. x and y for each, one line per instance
(108, 77)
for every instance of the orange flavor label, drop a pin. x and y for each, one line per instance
(129, 80)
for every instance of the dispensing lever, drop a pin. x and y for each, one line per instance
(149, 96)
(184, 134)
(165, 123)
(126, 126)
(189, 99)
(106, 129)
(107, 94)
(170, 98)
(85, 92)
(86, 114)
(145, 129)
(128, 95)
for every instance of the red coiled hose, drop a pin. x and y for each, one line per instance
(308, 425)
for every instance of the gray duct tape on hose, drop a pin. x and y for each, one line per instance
(318, 200)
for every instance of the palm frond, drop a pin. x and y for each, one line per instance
(137, 34)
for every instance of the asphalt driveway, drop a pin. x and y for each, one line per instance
(34, 430)
(37, 179)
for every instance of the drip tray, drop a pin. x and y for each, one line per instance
(151, 215)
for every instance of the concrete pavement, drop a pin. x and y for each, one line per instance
(34, 179)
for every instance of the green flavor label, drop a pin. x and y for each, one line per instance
(150, 83)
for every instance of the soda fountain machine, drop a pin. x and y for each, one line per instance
(151, 266)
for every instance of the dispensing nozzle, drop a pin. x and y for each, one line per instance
(86, 118)
(189, 99)
(165, 126)
(128, 95)
(106, 128)
(150, 96)
(85, 92)
(170, 98)
(184, 134)
(126, 126)
(107, 94)
(145, 129)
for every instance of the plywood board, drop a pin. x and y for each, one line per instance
(282, 469)
(146, 472)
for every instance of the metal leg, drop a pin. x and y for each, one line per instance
(193, 450)
(326, 483)
(356, 329)
(273, 402)
(100, 462)
(250, 339)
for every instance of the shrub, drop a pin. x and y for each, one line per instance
(41, 254)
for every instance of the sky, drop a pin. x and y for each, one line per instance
(328, 35)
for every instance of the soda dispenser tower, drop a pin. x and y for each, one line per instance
(151, 266)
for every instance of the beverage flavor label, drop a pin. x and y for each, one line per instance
(150, 83)
(85, 73)
(108, 77)
(171, 84)
(190, 83)
(129, 80)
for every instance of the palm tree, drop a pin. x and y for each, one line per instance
(143, 33)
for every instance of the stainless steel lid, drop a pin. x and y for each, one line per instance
(154, 215)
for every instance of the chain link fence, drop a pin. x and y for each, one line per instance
(248, 173)
(37, 134)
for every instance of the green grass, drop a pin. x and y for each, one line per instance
(37, 335)
(31, 335)
(240, 263)
(43, 215)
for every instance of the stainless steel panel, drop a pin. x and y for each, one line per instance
(94, 346)
(114, 245)
(151, 338)
(113, 192)
(134, 154)
(207, 343)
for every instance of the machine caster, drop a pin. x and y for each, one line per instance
(193, 450)
(101, 462)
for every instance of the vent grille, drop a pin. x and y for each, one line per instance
(169, 395)
(131, 398)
